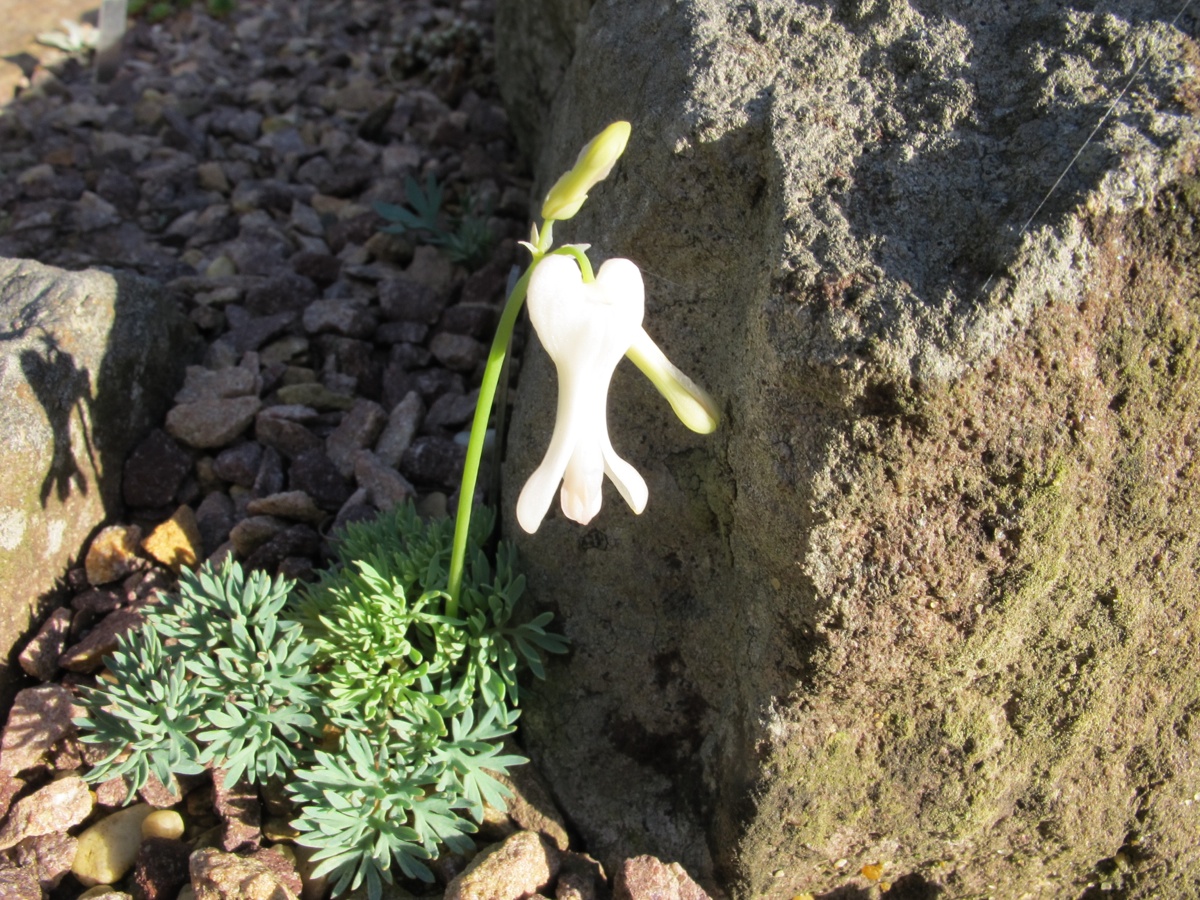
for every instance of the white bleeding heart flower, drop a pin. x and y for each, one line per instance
(586, 329)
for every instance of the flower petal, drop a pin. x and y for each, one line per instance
(586, 329)
(583, 482)
(627, 479)
(538, 492)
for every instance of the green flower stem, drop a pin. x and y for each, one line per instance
(487, 396)
(585, 264)
(483, 410)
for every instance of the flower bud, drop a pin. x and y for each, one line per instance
(691, 403)
(591, 167)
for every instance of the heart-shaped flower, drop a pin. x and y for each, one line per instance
(586, 329)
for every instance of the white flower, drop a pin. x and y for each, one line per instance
(586, 329)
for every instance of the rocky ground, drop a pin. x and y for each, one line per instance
(236, 162)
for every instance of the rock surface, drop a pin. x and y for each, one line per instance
(40, 717)
(647, 878)
(925, 597)
(518, 867)
(237, 159)
(88, 362)
(58, 806)
(224, 876)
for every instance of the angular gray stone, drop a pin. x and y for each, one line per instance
(358, 430)
(457, 351)
(249, 534)
(154, 471)
(88, 362)
(289, 438)
(212, 422)
(205, 384)
(402, 425)
(239, 464)
(899, 606)
(345, 317)
(315, 474)
(215, 518)
(385, 486)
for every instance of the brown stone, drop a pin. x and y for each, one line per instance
(20, 883)
(40, 717)
(88, 655)
(161, 869)
(295, 505)
(519, 866)
(60, 805)
(531, 805)
(113, 554)
(10, 786)
(648, 878)
(40, 656)
(240, 811)
(224, 876)
(176, 543)
(50, 855)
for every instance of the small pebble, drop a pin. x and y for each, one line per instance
(163, 823)
(176, 543)
(113, 554)
(107, 849)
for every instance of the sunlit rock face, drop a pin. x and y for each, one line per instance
(927, 598)
(88, 363)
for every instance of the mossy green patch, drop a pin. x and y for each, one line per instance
(1011, 664)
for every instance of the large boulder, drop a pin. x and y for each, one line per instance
(89, 362)
(928, 599)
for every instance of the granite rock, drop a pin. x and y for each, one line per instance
(933, 499)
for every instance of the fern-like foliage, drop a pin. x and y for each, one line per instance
(383, 645)
(465, 239)
(221, 653)
(145, 717)
(384, 715)
(216, 607)
(387, 798)
(496, 647)
(262, 688)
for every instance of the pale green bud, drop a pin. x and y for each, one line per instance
(592, 166)
(691, 403)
